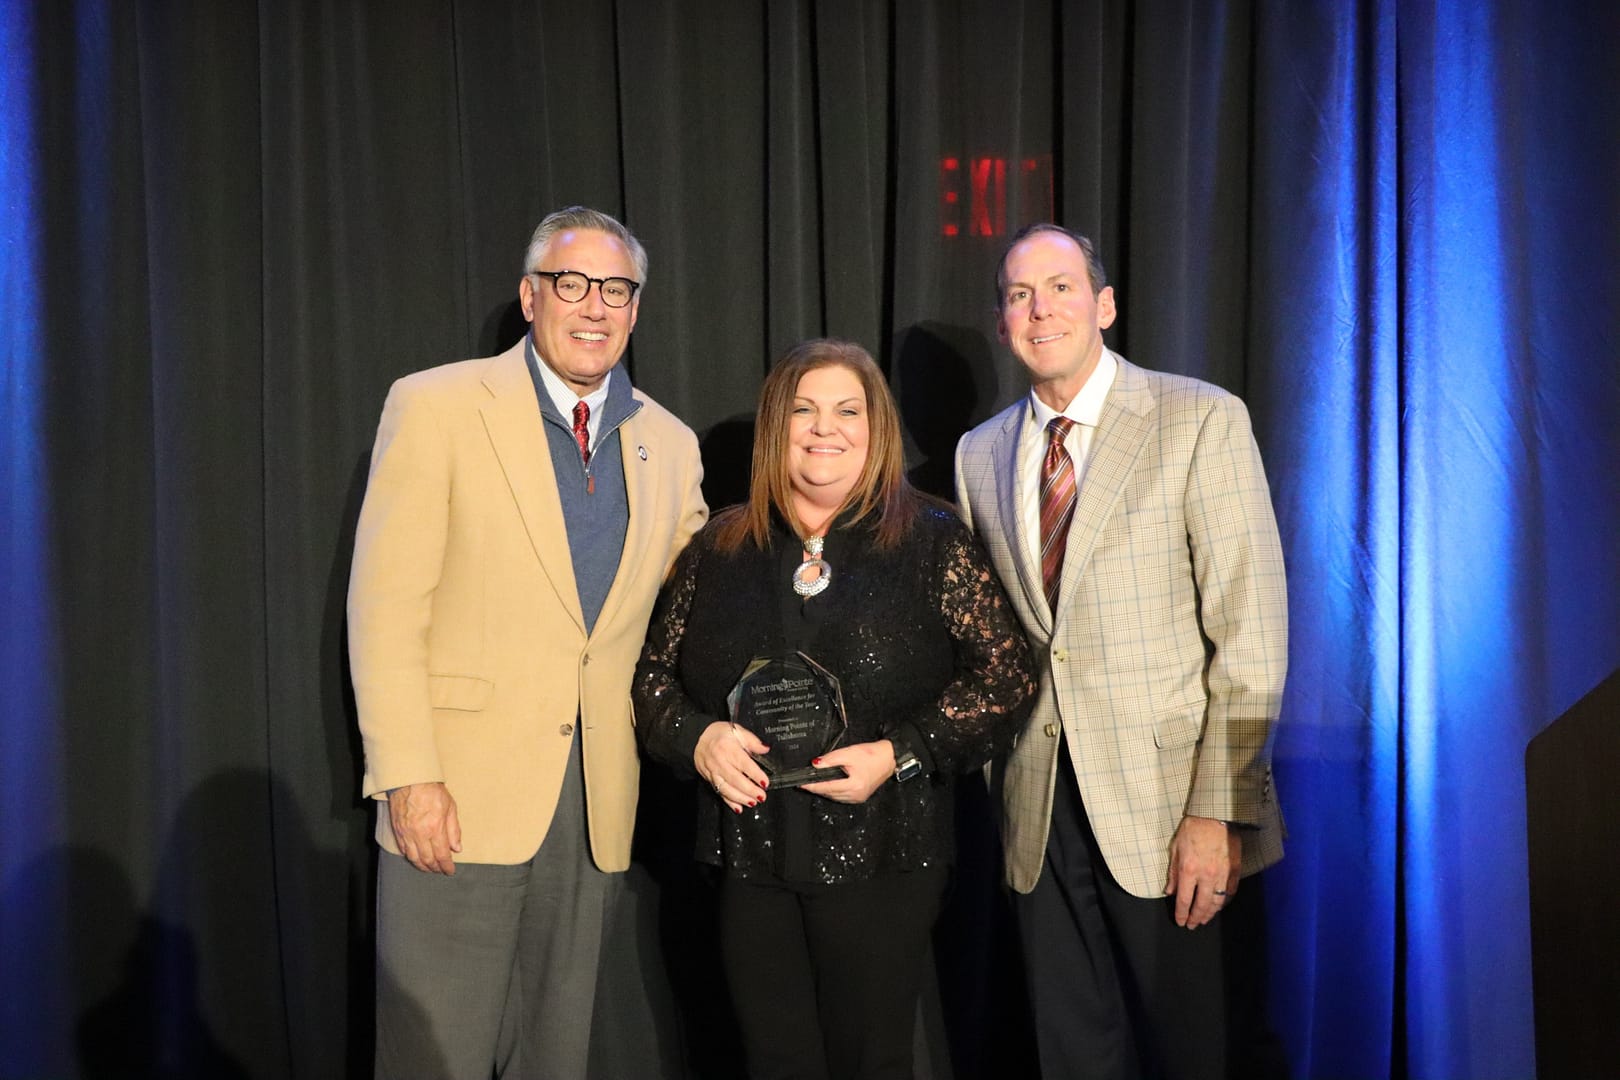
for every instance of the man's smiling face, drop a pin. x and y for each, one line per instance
(580, 342)
(1050, 317)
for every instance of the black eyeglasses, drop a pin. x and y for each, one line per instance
(571, 287)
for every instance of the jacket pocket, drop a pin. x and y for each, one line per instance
(1181, 728)
(467, 693)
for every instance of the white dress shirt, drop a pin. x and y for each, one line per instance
(564, 398)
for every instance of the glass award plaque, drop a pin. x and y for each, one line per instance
(796, 708)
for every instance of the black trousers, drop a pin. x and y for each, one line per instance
(1118, 990)
(825, 979)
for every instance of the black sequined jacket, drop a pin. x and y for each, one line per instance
(925, 645)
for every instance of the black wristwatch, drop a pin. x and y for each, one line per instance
(906, 765)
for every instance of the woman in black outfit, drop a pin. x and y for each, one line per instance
(830, 890)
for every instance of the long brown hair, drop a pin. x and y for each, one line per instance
(881, 489)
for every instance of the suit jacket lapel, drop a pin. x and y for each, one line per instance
(516, 431)
(1122, 432)
(1004, 464)
(641, 496)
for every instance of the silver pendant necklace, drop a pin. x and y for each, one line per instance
(803, 583)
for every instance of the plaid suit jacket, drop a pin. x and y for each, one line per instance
(1164, 664)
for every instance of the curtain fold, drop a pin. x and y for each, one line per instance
(1509, 596)
(1325, 388)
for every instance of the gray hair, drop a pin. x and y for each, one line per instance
(1094, 266)
(583, 217)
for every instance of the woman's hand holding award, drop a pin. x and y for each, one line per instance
(796, 708)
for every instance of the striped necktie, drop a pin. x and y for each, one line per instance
(1057, 507)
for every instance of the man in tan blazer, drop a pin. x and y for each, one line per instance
(521, 513)
(1128, 515)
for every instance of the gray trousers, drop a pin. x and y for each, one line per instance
(494, 969)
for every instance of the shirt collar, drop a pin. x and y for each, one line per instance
(1086, 408)
(561, 394)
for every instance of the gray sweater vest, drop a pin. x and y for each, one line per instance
(598, 519)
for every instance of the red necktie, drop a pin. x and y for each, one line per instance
(582, 434)
(1057, 507)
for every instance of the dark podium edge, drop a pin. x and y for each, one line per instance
(1572, 794)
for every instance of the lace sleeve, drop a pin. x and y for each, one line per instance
(993, 688)
(668, 722)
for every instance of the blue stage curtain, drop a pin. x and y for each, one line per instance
(1437, 312)
(1325, 388)
(32, 981)
(1509, 479)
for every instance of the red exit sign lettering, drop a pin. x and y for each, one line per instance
(973, 193)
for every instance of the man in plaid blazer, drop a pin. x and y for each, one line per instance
(1139, 792)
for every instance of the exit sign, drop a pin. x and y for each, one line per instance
(973, 193)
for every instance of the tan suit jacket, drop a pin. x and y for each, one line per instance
(1164, 665)
(466, 638)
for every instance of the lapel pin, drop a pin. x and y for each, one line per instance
(642, 450)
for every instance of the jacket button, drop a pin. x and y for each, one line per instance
(1060, 655)
(585, 660)
(566, 729)
(1051, 731)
